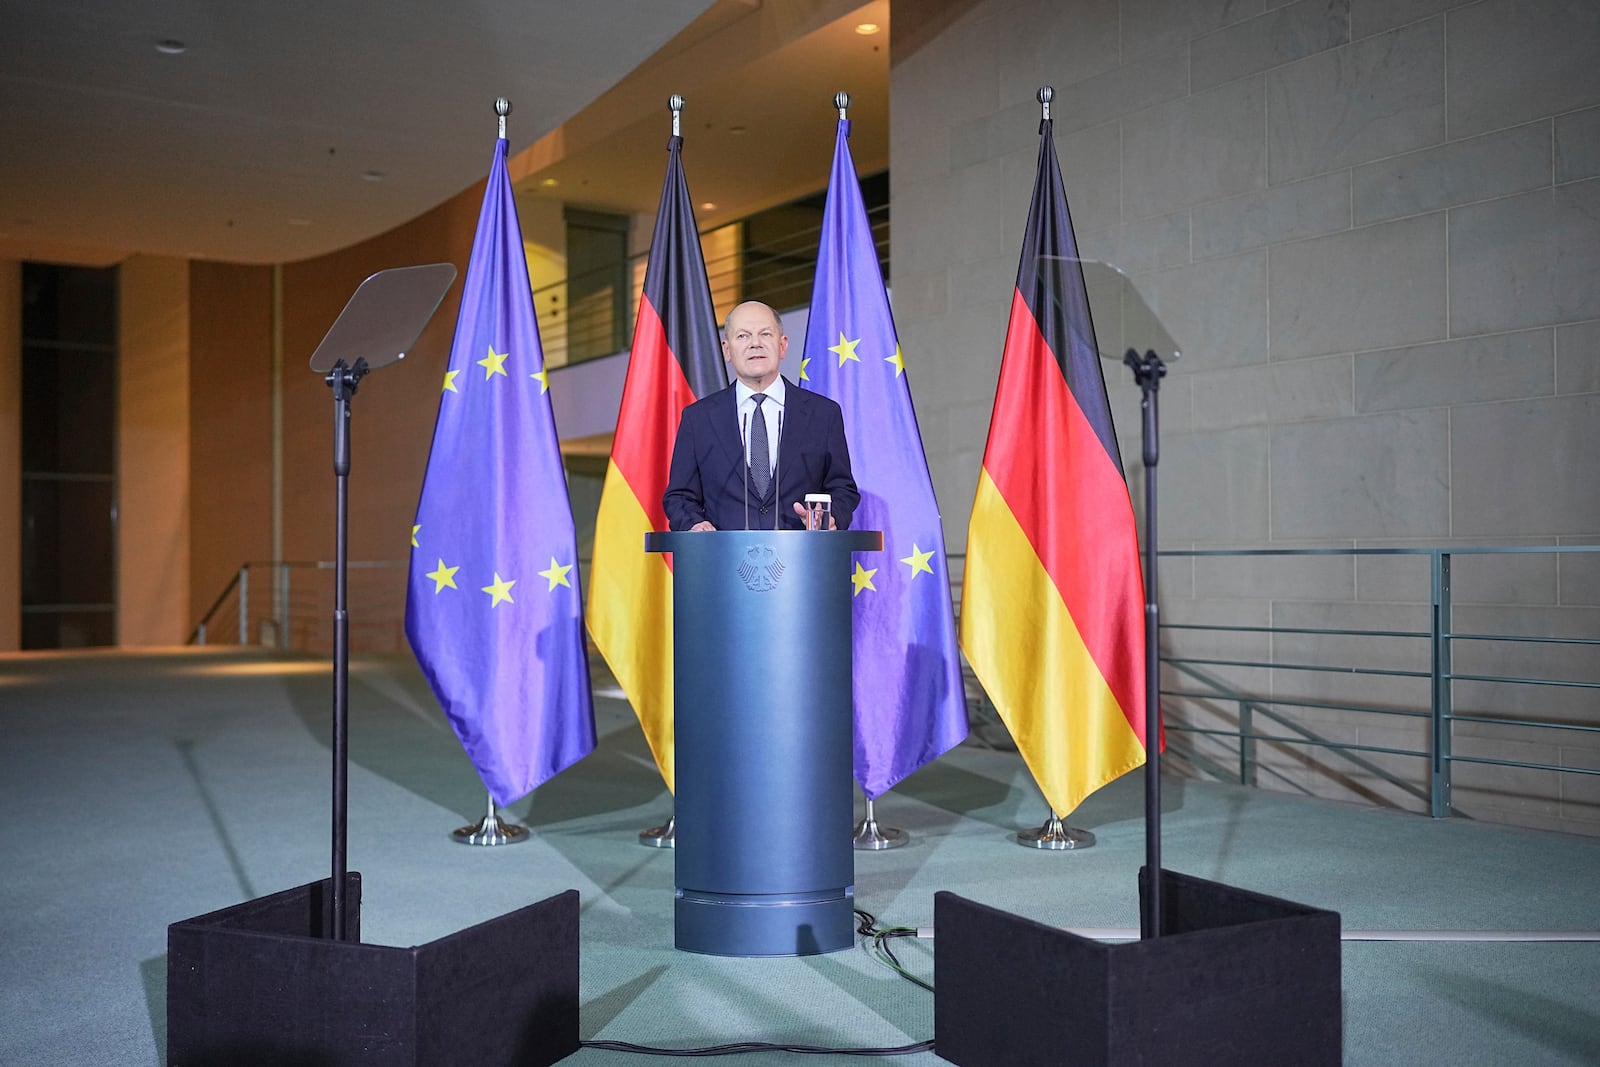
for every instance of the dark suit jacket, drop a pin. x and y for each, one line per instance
(708, 476)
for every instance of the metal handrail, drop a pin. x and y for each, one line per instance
(1250, 707)
(1440, 675)
(290, 612)
(382, 616)
(557, 338)
(198, 635)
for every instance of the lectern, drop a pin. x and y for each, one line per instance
(762, 716)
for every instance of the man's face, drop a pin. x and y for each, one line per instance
(755, 345)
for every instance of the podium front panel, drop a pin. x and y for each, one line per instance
(762, 714)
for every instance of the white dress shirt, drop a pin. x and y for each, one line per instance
(772, 410)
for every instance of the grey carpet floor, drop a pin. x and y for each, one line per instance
(139, 789)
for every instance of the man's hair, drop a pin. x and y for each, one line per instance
(777, 318)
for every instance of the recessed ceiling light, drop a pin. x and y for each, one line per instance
(708, 206)
(867, 29)
(171, 46)
(372, 176)
(737, 129)
(550, 183)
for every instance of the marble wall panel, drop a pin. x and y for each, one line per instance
(1369, 17)
(1215, 311)
(1525, 467)
(1578, 357)
(1492, 367)
(1362, 477)
(1527, 260)
(1288, 212)
(1460, 172)
(1376, 287)
(1578, 145)
(1158, 25)
(1196, 148)
(1283, 34)
(1213, 486)
(1370, 99)
(1516, 60)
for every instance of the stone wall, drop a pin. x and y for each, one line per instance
(1373, 227)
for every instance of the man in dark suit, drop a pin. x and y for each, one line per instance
(746, 456)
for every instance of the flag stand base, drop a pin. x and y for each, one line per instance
(1056, 836)
(490, 830)
(870, 837)
(663, 836)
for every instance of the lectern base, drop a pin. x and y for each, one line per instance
(716, 924)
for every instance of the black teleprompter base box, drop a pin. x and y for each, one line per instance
(1236, 977)
(261, 983)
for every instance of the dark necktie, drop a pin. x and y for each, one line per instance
(760, 453)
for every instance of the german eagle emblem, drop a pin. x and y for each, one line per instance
(761, 568)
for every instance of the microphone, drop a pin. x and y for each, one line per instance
(744, 439)
(777, 484)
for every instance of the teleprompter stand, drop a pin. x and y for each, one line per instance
(1219, 975)
(284, 978)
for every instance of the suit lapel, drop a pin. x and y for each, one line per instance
(725, 425)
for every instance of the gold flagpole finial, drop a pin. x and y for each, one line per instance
(841, 100)
(675, 105)
(1045, 95)
(502, 108)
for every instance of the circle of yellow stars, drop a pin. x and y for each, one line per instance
(443, 576)
(492, 364)
(918, 560)
(846, 351)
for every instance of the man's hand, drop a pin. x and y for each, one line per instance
(705, 524)
(800, 510)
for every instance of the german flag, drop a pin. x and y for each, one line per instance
(675, 360)
(1052, 607)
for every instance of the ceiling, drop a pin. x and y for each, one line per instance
(287, 130)
(756, 133)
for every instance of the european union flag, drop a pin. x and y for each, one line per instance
(909, 703)
(493, 610)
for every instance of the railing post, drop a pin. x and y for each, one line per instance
(1440, 670)
(283, 605)
(244, 604)
(1247, 744)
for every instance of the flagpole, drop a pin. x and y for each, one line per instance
(1148, 370)
(666, 835)
(868, 836)
(491, 829)
(1054, 835)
